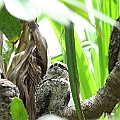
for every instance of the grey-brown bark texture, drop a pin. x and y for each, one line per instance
(114, 46)
(28, 68)
(8, 90)
(7, 93)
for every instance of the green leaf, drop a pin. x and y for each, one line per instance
(82, 11)
(57, 58)
(40, 17)
(18, 110)
(84, 71)
(59, 31)
(115, 1)
(9, 25)
(72, 67)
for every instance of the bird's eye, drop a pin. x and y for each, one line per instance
(56, 64)
(63, 67)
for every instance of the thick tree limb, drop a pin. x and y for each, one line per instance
(7, 93)
(102, 102)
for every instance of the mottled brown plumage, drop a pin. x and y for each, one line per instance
(114, 46)
(53, 92)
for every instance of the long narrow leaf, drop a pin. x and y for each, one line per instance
(72, 67)
(85, 75)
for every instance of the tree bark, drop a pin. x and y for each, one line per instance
(102, 102)
(7, 93)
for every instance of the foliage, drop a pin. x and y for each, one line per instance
(72, 67)
(18, 110)
(96, 18)
(14, 25)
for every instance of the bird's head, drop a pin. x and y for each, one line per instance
(57, 69)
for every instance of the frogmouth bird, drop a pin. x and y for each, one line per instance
(53, 92)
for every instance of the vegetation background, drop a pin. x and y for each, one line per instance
(96, 18)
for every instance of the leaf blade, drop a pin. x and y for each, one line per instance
(18, 110)
(9, 25)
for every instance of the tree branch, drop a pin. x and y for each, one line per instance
(102, 102)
